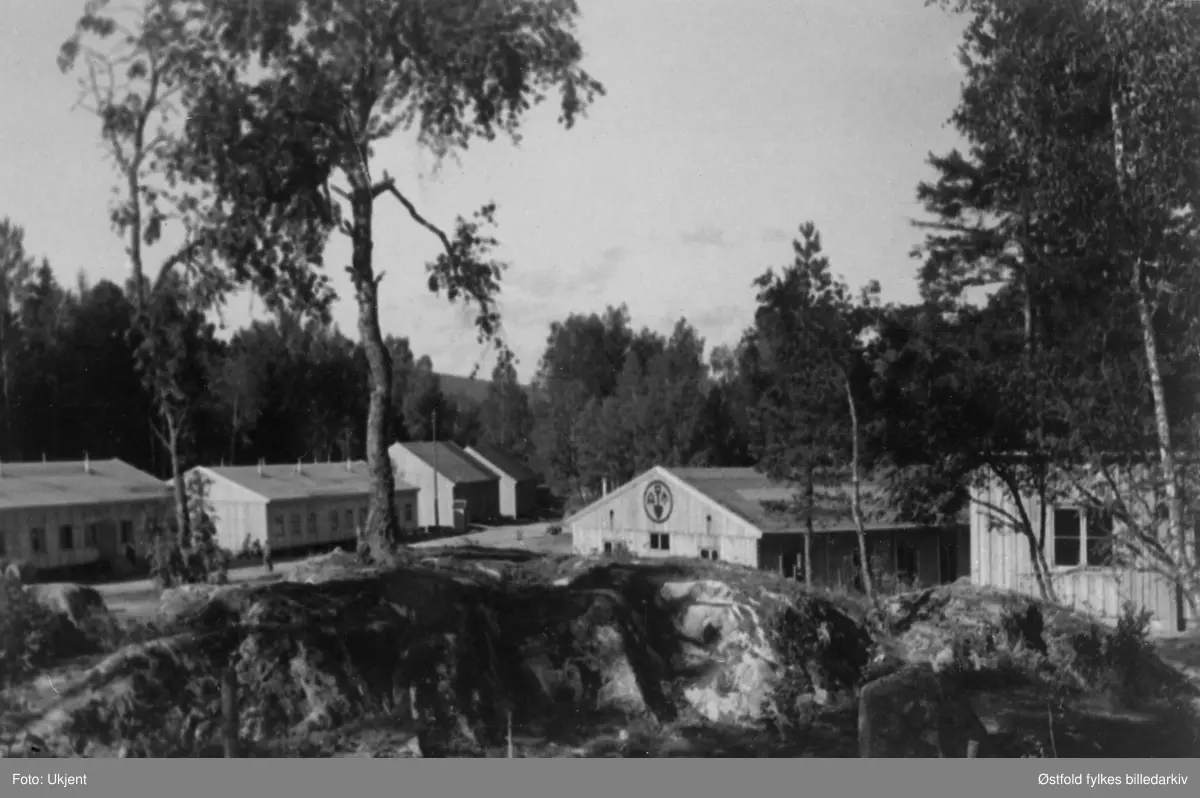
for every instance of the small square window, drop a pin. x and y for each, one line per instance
(709, 554)
(660, 541)
(608, 547)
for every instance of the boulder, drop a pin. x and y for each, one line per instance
(75, 602)
(917, 713)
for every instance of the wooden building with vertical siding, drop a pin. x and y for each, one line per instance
(456, 490)
(70, 516)
(739, 515)
(1086, 568)
(297, 506)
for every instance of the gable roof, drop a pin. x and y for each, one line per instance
(504, 462)
(450, 461)
(312, 480)
(766, 504)
(770, 504)
(74, 482)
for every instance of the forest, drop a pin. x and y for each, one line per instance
(1055, 334)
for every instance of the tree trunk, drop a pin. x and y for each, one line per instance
(1037, 553)
(183, 529)
(1162, 423)
(810, 495)
(382, 529)
(856, 498)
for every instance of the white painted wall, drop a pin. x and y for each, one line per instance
(18, 528)
(696, 522)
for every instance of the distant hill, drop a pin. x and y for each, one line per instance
(475, 390)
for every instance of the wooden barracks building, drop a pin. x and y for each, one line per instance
(738, 515)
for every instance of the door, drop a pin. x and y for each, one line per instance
(461, 520)
(948, 560)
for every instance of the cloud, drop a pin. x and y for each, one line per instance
(771, 235)
(705, 236)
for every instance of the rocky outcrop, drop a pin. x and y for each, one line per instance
(918, 712)
(77, 603)
(449, 650)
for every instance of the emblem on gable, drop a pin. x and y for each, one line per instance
(658, 501)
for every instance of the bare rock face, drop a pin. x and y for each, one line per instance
(182, 602)
(327, 567)
(75, 602)
(918, 713)
(724, 643)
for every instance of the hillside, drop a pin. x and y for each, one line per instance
(475, 390)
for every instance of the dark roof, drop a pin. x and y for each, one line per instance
(311, 480)
(504, 462)
(450, 461)
(767, 503)
(58, 484)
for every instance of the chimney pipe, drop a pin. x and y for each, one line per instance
(604, 486)
(349, 467)
(300, 466)
(261, 464)
(87, 466)
(1, 469)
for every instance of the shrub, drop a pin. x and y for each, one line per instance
(32, 635)
(1120, 663)
(817, 646)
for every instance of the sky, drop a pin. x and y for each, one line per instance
(726, 125)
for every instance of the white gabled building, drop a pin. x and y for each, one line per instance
(295, 506)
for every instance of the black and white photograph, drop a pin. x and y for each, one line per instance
(592, 379)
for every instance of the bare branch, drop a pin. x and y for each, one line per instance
(388, 185)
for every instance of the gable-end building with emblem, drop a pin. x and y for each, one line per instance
(658, 514)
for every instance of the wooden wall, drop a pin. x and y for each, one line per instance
(16, 527)
(1001, 558)
(938, 555)
(695, 522)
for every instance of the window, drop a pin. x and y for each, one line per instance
(277, 532)
(333, 521)
(362, 516)
(90, 535)
(708, 524)
(660, 541)
(349, 520)
(611, 519)
(1081, 539)
(296, 530)
(3, 543)
(709, 554)
(608, 547)
(312, 525)
(408, 514)
(37, 540)
(66, 537)
(126, 533)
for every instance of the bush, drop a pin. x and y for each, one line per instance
(1121, 663)
(818, 647)
(620, 553)
(32, 636)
